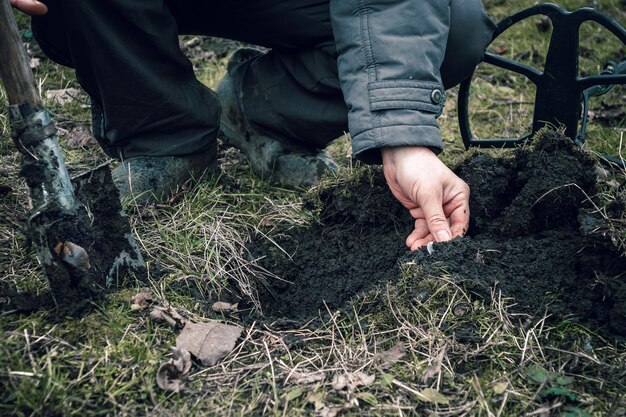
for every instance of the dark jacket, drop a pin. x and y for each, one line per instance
(390, 56)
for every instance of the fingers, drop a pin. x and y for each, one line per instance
(456, 214)
(435, 196)
(459, 219)
(422, 242)
(31, 7)
(430, 224)
(418, 234)
(436, 219)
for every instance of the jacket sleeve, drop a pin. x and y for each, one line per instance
(390, 52)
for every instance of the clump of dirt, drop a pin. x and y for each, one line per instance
(356, 245)
(100, 228)
(533, 236)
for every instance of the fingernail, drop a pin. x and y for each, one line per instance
(443, 236)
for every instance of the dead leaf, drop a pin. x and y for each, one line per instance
(352, 380)
(168, 315)
(72, 254)
(191, 43)
(339, 382)
(435, 366)
(433, 396)
(63, 96)
(34, 63)
(79, 137)
(293, 394)
(170, 374)
(209, 342)
(602, 173)
(304, 379)
(332, 411)
(500, 387)
(142, 300)
(461, 309)
(221, 306)
(387, 359)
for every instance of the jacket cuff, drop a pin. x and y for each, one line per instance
(406, 94)
(366, 146)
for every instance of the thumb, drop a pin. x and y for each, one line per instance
(31, 7)
(436, 219)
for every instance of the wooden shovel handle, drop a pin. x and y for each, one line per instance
(15, 71)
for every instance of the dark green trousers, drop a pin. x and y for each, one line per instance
(147, 101)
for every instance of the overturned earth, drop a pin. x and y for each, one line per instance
(536, 237)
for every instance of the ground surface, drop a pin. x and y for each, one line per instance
(532, 236)
(524, 317)
(356, 245)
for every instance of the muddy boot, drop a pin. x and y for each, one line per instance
(276, 160)
(148, 179)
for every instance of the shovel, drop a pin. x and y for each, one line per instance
(82, 238)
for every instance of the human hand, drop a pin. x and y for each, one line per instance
(31, 7)
(434, 195)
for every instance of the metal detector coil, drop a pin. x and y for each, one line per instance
(560, 91)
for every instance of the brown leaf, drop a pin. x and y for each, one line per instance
(63, 96)
(79, 137)
(58, 248)
(168, 315)
(387, 359)
(435, 365)
(461, 309)
(170, 374)
(352, 380)
(304, 379)
(142, 300)
(221, 306)
(332, 411)
(209, 342)
(72, 254)
(191, 43)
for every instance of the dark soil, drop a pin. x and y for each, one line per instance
(532, 236)
(356, 246)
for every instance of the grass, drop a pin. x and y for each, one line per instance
(406, 335)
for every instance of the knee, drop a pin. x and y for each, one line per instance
(471, 30)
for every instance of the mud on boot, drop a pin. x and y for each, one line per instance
(147, 179)
(271, 158)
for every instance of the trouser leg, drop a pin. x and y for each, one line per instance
(145, 96)
(148, 101)
(293, 91)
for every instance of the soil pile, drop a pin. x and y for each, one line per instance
(356, 246)
(532, 235)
